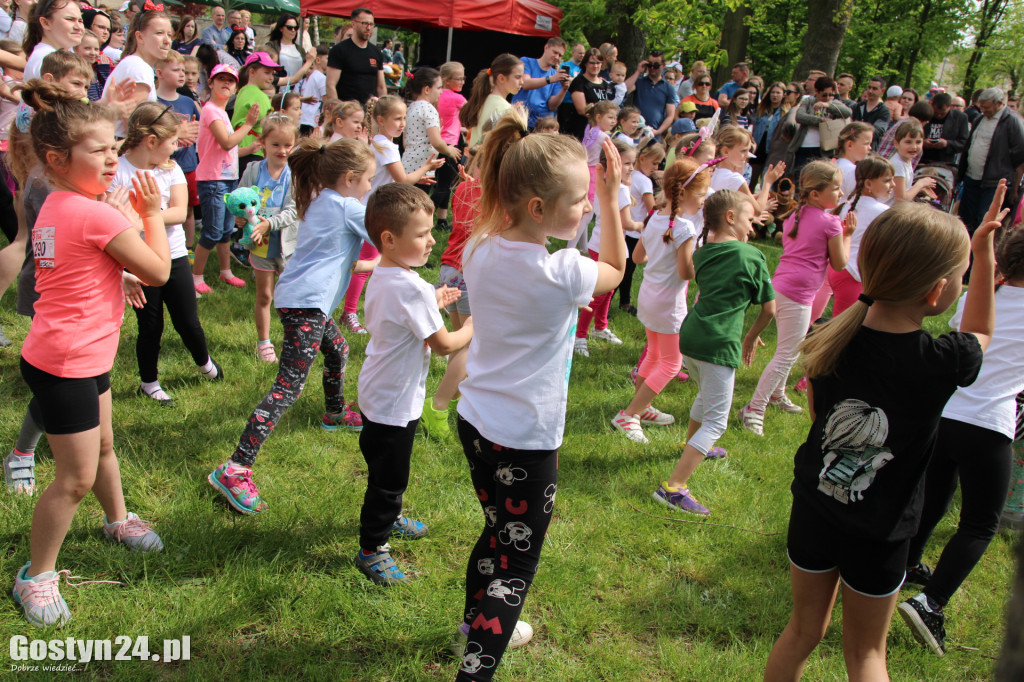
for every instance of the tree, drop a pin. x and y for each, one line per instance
(990, 16)
(1003, 57)
(826, 26)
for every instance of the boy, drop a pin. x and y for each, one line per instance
(401, 313)
(618, 76)
(170, 75)
(313, 90)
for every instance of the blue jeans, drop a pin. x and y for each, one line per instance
(974, 201)
(218, 223)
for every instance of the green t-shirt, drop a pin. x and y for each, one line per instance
(731, 276)
(246, 97)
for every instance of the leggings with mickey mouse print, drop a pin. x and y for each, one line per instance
(516, 489)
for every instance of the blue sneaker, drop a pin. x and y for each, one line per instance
(380, 567)
(680, 499)
(408, 528)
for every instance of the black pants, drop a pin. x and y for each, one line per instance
(387, 451)
(8, 219)
(444, 176)
(980, 459)
(626, 286)
(179, 295)
(516, 489)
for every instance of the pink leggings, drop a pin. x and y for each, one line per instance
(598, 312)
(358, 281)
(821, 299)
(662, 361)
(845, 290)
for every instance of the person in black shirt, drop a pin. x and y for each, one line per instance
(355, 67)
(946, 134)
(586, 89)
(873, 111)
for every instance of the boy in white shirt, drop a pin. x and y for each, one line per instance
(402, 312)
(313, 91)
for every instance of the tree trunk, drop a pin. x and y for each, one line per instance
(629, 37)
(826, 27)
(1010, 665)
(926, 11)
(992, 12)
(734, 41)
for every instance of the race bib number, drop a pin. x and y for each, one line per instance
(43, 246)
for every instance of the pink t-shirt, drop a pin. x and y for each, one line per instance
(214, 162)
(78, 315)
(448, 107)
(801, 270)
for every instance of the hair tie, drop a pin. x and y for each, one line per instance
(865, 299)
(488, 71)
(703, 167)
(23, 117)
(151, 6)
(323, 149)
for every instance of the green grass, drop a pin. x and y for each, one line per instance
(620, 595)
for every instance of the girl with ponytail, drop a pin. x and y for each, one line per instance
(488, 99)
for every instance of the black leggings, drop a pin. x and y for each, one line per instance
(626, 286)
(387, 451)
(179, 295)
(8, 218)
(980, 458)
(516, 489)
(444, 176)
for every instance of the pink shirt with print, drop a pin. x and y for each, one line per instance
(214, 162)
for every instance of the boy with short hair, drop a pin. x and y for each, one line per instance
(170, 75)
(313, 91)
(618, 76)
(68, 69)
(402, 312)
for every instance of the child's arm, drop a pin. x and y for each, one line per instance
(398, 173)
(628, 224)
(684, 259)
(150, 261)
(753, 338)
(839, 245)
(771, 176)
(611, 261)
(444, 342)
(442, 147)
(648, 200)
(979, 316)
(639, 253)
(900, 191)
(228, 141)
(284, 81)
(361, 266)
(177, 209)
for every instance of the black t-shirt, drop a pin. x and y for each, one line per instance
(568, 119)
(359, 67)
(862, 466)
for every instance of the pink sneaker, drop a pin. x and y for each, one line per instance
(203, 288)
(682, 376)
(233, 281)
(801, 386)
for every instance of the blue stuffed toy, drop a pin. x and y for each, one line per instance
(244, 202)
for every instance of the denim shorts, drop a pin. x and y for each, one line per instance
(218, 223)
(451, 277)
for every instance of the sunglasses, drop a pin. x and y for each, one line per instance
(654, 65)
(704, 84)
(291, 27)
(792, 92)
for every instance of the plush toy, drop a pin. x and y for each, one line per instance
(243, 203)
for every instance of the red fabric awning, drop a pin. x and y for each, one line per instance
(520, 17)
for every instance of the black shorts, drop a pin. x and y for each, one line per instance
(871, 567)
(67, 405)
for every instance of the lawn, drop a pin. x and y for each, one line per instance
(626, 590)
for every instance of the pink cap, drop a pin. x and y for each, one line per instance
(263, 58)
(224, 68)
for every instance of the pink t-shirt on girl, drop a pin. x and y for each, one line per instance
(214, 162)
(78, 315)
(448, 107)
(801, 270)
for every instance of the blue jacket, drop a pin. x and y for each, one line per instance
(767, 124)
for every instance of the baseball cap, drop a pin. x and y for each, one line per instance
(894, 91)
(687, 107)
(224, 68)
(263, 58)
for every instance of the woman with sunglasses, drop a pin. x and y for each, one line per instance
(806, 142)
(702, 99)
(586, 89)
(285, 43)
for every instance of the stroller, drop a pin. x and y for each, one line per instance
(945, 185)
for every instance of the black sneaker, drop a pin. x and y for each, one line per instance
(628, 308)
(239, 254)
(918, 575)
(926, 621)
(443, 225)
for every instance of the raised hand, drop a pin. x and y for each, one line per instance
(446, 295)
(609, 176)
(146, 197)
(850, 224)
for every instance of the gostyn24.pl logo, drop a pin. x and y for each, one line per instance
(73, 651)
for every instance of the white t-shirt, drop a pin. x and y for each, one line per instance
(627, 139)
(661, 303)
(519, 360)
(849, 171)
(385, 152)
(314, 85)
(723, 178)
(133, 68)
(421, 116)
(639, 185)
(902, 169)
(812, 138)
(989, 401)
(113, 53)
(34, 64)
(291, 60)
(165, 179)
(401, 312)
(868, 208)
(595, 237)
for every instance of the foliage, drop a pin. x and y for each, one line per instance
(1003, 60)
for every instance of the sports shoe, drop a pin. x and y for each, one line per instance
(349, 420)
(410, 529)
(633, 373)
(443, 225)
(630, 426)
(927, 622)
(133, 533)
(579, 347)
(653, 415)
(682, 376)
(716, 453)
(521, 635)
(680, 499)
(785, 404)
(801, 386)
(435, 422)
(752, 421)
(380, 567)
(265, 352)
(203, 288)
(20, 473)
(240, 255)
(40, 598)
(167, 401)
(233, 281)
(606, 335)
(4, 341)
(918, 575)
(628, 308)
(237, 486)
(352, 323)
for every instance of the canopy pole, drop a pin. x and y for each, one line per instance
(449, 57)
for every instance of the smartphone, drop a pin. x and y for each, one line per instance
(564, 69)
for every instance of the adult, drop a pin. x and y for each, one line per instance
(238, 47)
(250, 33)
(52, 27)
(235, 20)
(585, 89)
(655, 97)
(844, 87)
(873, 111)
(770, 111)
(740, 75)
(544, 84)
(806, 142)
(908, 98)
(217, 34)
(892, 101)
(609, 55)
(397, 57)
(945, 136)
(574, 62)
(794, 93)
(698, 69)
(186, 38)
(701, 97)
(285, 43)
(129, 10)
(974, 111)
(355, 66)
(959, 104)
(995, 150)
(812, 77)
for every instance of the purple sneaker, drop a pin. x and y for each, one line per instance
(680, 499)
(716, 453)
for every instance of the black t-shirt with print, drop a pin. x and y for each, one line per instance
(862, 466)
(359, 67)
(569, 120)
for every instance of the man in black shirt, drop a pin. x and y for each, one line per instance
(946, 134)
(873, 111)
(355, 66)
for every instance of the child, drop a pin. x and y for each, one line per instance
(314, 90)
(89, 50)
(872, 189)
(328, 182)
(641, 195)
(152, 136)
(191, 87)
(854, 145)
(488, 99)
(629, 120)
(667, 248)
(618, 77)
(734, 144)
(69, 350)
(343, 120)
(909, 138)
(546, 124)
(147, 42)
(289, 104)
(512, 413)
(402, 313)
(973, 446)
(601, 117)
(275, 235)
(813, 239)
(61, 30)
(731, 275)
(257, 74)
(217, 175)
(598, 307)
(878, 384)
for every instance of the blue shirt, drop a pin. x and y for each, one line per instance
(184, 107)
(330, 236)
(651, 99)
(273, 193)
(536, 101)
(217, 37)
(574, 68)
(728, 89)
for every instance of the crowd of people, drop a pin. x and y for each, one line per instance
(129, 163)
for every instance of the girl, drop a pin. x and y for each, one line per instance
(736, 113)
(487, 101)
(601, 119)
(69, 351)
(512, 413)
(89, 50)
(598, 307)
(667, 248)
(275, 235)
(812, 240)
(52, 26)
(878, 386)
(149, 39)
(733, 144)
(909, 138)
(186, 38)
(152, 137)
(328, 183)
(288, 104)
(450, 101)
(854, 145)
(422, 135)
(872, 189)
(628, 125)
(256, 76)
(770, 111)
(731, 275)
(343, 119)
(217, 175)
(641, 195)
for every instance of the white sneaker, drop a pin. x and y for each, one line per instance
(630, 426)
(520, 637)
(40, 598)
(579, 347)
(606, 335)
(653, 415)
(752, 421)
(785, 404)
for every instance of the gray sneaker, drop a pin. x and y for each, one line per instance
(20, 473)
(4, 341)
(380, 567)
(133, 533)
